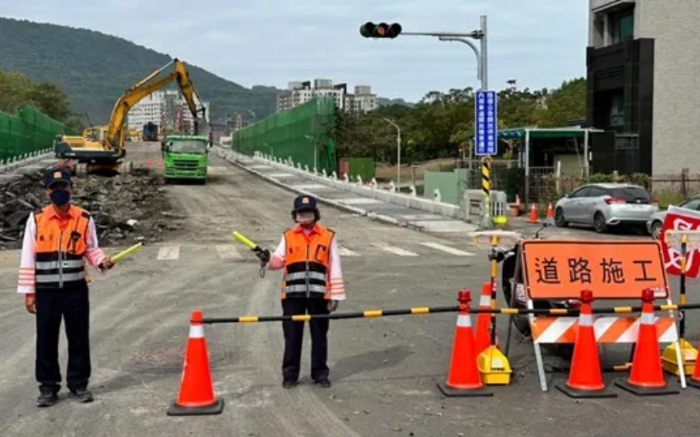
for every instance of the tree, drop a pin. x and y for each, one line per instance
(51, 100)
(566, 104)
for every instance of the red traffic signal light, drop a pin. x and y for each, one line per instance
(381, 30)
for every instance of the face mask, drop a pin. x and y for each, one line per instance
(305, 218)
(59, 197)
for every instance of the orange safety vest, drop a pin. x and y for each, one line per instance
(307, 263)
(61, 243)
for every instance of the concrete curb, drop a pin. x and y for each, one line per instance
(333, 203)
(15, 165)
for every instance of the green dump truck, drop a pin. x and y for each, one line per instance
(185, 157)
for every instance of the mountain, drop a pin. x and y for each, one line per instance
(94, 69)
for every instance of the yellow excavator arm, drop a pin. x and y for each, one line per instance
(116, 129)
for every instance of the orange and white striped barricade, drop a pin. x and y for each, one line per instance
(557, 270)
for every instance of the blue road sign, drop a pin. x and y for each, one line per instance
(486, 110)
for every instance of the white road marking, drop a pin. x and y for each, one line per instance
(359, 201)
(347, 252)
(448, 249)
(169, 253)
(398, 251)
(228, 251)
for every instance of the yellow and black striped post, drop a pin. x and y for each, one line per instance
(486, 186)
(683, 299)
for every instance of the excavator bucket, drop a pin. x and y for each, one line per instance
(203, 128)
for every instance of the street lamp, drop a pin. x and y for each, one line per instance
(398, 145)
(313, 141)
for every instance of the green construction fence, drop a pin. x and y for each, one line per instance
(28, 133)
(306, 134)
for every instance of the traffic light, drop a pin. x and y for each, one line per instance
(381, 30)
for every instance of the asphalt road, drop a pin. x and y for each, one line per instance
(384, 370)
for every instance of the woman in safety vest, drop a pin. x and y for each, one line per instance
(313, 283)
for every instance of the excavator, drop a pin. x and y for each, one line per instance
(101, 148)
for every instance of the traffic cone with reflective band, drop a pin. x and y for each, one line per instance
(483, 321)
(464, 378)
(586, 376)
(550, 211)
(516, 208)
(534, 216)
(196, 396)
(647, 376)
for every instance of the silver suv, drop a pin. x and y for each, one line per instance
(605, 205)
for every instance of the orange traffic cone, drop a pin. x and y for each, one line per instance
(647, 376)
(550, 211)
(464, 378)
(534, 216)
(483, 321)
(694, 381)
(148, 164)
(585, 377)
(196, 396)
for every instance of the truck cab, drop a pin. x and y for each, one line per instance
(185, 157)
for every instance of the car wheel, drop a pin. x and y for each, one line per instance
(599, 223)
(656, 228)
(559, 218)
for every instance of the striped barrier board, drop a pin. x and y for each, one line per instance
(608, 330)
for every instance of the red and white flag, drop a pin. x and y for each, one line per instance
(681, 219)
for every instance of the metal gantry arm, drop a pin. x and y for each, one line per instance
(479, 67)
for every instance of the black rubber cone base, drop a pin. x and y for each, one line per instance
(585, 394)
(178, 410)
(693, 383)
(453, 392)
(641, 391)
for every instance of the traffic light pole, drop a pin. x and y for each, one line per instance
(480, 52)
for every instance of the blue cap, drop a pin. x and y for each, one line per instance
(56, 175)
(304, 203)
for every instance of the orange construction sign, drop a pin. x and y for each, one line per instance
(559, 269)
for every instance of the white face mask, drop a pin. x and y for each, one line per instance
(305, 218)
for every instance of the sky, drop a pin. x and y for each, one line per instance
(539, 43)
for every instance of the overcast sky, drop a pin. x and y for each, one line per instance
(539, 43)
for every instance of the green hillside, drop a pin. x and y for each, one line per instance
(95, 69)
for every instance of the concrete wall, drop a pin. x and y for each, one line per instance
(674, 26)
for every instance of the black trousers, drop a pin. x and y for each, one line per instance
(52, 306)
(294, 336)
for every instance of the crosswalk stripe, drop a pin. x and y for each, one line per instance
(169, 253)
(448, 249)
(347, 252)
(398, 251)
(228, 251)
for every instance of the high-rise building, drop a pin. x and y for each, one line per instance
(643, 65)
(167, 109)
(299, 93)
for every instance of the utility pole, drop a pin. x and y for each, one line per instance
(313, 141)
(398, 158)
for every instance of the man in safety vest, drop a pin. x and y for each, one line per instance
(52, 278)
(313, 283)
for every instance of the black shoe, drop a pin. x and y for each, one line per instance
(83, 396)
(325, 383)
(289, 383)
(46, 400)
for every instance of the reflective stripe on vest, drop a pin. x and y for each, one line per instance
(61, 244)
(307, 268)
